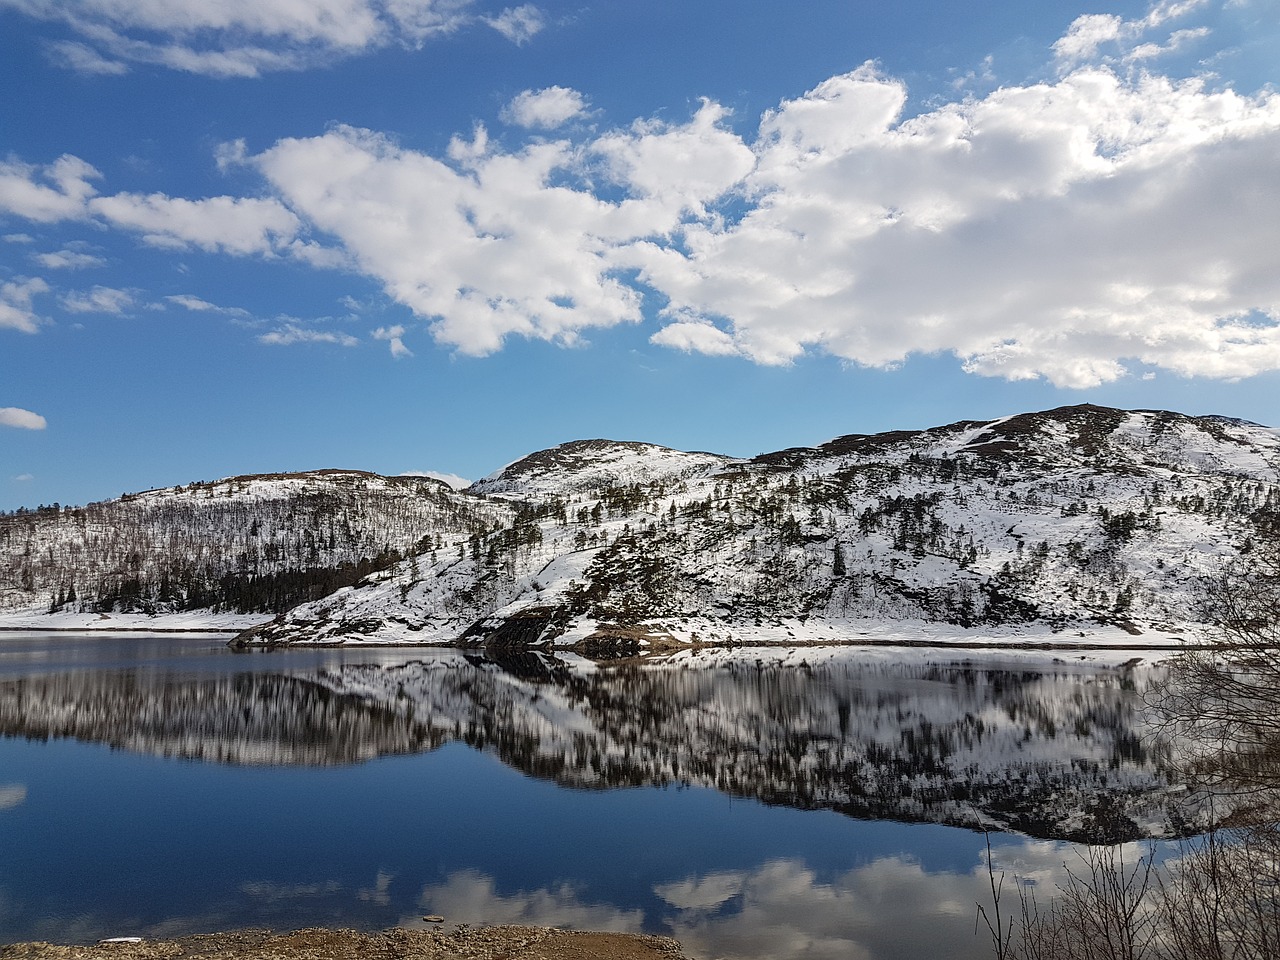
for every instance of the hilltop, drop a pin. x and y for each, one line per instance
(1075, 520)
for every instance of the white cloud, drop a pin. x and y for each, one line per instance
(1087, 34)
(496, 243)
(16, 310)
(238, 38)
(238, 225)
(392, 335)
(678, 168)
(84, 59)
(1178, 40)
(47, 194)
(696, 336)
(197, 305)
(68, 258)
(18, 238)
(98, 300)
(1053, 230)
(484, 252)
(22, 419)
(1064, 230)
(1111, 38)
(23, 478)
(518, 24)
(290, 333)
(547, 109)
(62, 191)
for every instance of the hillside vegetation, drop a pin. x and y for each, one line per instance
(1064, 519)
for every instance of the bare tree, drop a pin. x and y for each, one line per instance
(1219, 897)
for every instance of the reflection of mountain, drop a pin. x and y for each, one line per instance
(1053, 751)
(243, 719)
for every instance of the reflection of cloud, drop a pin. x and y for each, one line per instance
(379, 893)
(890, 907)
(12, 795)
(471, 897)
(265, 890)
(701, 894)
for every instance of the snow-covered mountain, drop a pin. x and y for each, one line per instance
(1062, 520)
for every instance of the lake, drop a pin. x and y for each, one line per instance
(751, 803)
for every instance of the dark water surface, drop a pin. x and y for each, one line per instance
(162, 785)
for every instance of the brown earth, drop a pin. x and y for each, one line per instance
(464, 943)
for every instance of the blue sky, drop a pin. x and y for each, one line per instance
(245, 236)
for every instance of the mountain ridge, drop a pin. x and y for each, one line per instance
(1063, 520)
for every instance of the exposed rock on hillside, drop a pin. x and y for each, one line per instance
(1060, 520)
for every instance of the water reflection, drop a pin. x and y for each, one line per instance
(782, 909)
(12, 795)
(468, 895)
(1050, 749)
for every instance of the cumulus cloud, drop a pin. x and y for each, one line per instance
(64, 190)
(678, 168)
(486, 244)
(518, 24)
(392, 335)
(697, 336)
(290, 333)
(547, 109)
(68, 258)
(1072, 229)
(1062, 230)
(16, 310)
(239, 38)
(1052, 230)
(236, 225)
(22, 419)
(98, 300)
(59, 191)
(1115, 39)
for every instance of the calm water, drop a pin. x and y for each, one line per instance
(165, 786)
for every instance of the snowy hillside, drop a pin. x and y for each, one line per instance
(1067, 521)
(260, 543)
(585, 465)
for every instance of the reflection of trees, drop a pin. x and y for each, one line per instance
(243, 719)
(1221, 898)
(1222, 705)
(1052, 751)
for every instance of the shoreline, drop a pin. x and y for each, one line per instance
(398, 943)
(656, 650)
(687, 643)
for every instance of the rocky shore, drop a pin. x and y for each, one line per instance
(463, 943)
